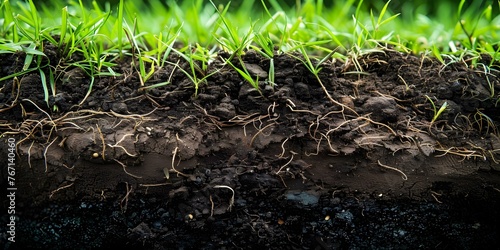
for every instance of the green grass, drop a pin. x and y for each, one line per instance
(105, 33)
(436, 112)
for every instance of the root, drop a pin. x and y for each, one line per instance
(29, 153)
(231, 201)
(118, 146)
(155, 185)
(241, 120)
(286, 164)
(317, 148)
(211, 206)
(71, 123)
(102, 196)
(283, 148)
(329, 143)
(174, 153)
(342, 124)
(125, 169)
(357, 119)
(434, 195)
(395, 169)
(69, 168)
(125, 198)
(260, 131)
(186, 118)
(492, 152)
(378, 123)
(59, 189)
(76, 115)
(103, 143)
(156, 104)
(45, 155)
(50, 118)
(30, 127)
(463, 152)
(270, 110)
(214, 119)
(332, 100)
(15, 82)
(301, 110)
(283, 181)
(315, 130)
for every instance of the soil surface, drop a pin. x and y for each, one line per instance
(352, 159)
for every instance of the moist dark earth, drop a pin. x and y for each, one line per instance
(351, 159)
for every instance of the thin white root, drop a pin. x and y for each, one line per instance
(395, 169)
(286, 164)
(103, 143)
(435, 195)
(174, 153)
(45, 154)
(59, 189)
(212, 206)
(29, 154)
(283, 148)
(231, 201)
(123, 148)
(125, 198)
(125, 169)
(260, 131)
(47, 114)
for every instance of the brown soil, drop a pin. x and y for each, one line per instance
(156, 169)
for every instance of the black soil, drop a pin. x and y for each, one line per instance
(353, 160)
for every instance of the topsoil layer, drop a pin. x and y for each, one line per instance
(353, 160)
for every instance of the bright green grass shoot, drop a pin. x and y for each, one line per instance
(436, 112)
(194, 60)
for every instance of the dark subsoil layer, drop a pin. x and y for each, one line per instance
(287, 166)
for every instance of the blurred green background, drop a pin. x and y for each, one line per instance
(431, 8)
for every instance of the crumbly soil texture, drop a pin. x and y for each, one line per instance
(385, 151)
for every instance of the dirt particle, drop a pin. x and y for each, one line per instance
(119, 107)
(225, 111)
(256, 71)
(383, 109)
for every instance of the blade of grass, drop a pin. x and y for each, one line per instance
(436, 112)
(119, 23)
(245, 74)
(64, 26)
(10, 21)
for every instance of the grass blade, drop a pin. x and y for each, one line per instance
(120, 31)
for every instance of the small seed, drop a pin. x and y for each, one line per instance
(95, 155)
